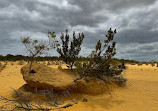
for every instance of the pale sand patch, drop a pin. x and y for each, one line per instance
(140, 93)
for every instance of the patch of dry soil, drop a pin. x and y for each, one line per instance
(140, 93)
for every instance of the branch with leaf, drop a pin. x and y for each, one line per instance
(69, 53)
(101, 64)
(35, 48)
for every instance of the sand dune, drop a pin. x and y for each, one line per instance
(140, 93)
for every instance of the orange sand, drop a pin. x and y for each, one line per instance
(140, 93)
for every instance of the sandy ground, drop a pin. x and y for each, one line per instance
(140, 93)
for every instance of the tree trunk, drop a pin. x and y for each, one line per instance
(71, 66)
(31, 64)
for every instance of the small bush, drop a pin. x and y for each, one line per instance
(2, 66)
(21, 62)
(147, 63)
(59, 67)
(152, 64)
(69, 51)
(44, 63)
(57, 63)
(23, 103)
(36, 48)
(53, 63)
(49, 63)
(139, 64)
(100, 64)
(133, 63)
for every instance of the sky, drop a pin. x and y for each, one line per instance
(136, 22)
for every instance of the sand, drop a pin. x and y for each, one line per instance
(140, 93)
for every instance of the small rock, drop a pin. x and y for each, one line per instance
(84, 100)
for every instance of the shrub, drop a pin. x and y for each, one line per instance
(2, 66)
(44, 62)
(152, 64)
(69, 53)
(100, 64)
(59, 67)
(21, 62)
(35, 48)
(139, 64)
(53, 63)
(22, 102)
(49, 63)
(57, 63)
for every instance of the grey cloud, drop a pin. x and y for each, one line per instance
(137, 36)
(111, 5)
(139, 52)
(135, 20)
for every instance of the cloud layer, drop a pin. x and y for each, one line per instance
(135, 20)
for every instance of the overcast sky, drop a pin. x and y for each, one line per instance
(136, 22)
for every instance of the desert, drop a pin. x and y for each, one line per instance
(78, 55)
(139, 94)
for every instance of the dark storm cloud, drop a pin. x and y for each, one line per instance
(135, 20)
(110, 5)
(143, 36)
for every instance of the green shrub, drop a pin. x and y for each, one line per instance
(59, 67)
(21, 62)
(69, 53)
(100, 64)
(35, 48)
(49, 63)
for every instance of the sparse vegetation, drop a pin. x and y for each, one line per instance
(49, 63)
(69, 53)
(59, 67)
(139, 64)
(22, 102)
(99, 67)
(2, 66)
(101, 64)
(35, 48)
(22, 62)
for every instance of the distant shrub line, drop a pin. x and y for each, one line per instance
(11, 57)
